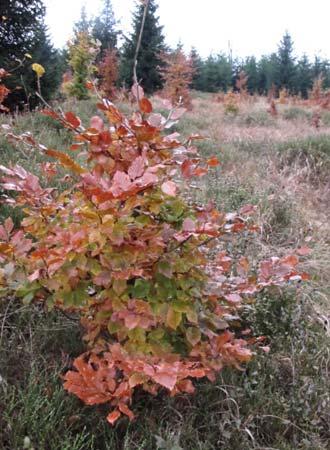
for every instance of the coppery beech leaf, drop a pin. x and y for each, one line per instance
(73, 120)
(213, 162)
(145, 105)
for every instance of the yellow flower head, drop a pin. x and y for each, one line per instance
(39, 70)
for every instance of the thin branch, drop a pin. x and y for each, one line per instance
(135, 80)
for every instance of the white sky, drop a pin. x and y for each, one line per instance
(253, 27)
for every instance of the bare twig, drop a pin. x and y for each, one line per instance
(135, 80)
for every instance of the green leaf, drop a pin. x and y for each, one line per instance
(166, 287)
(113, 327)
(27, 299)
(141, 288)
(180, 306)
(164, 268)
(156, 335)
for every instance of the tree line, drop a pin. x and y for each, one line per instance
(24, 36)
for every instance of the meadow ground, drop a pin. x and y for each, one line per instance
(282, 400)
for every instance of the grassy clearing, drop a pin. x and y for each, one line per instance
(282, 400)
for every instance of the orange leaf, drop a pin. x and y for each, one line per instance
(66, 161)
(145, 105)
(113, 416)
(73, 120)
(213, 162)
(113, 114)
(125, 410)
(199, 172)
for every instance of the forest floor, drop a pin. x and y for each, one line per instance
(282, 400)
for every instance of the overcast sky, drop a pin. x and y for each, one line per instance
(253, 27)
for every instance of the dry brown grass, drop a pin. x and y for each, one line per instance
(292, 190)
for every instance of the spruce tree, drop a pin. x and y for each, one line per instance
(18, 24)
(251, 70)
(267, 73)
(149, 58)
(83, 24)
(197, 64)
(104, 28)
(304, 77)
(23, 31)
(285, 68)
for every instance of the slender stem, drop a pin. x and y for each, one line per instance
(135, 80)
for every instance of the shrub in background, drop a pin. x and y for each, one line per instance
(82, 53)
(177, 74)
(108, 73)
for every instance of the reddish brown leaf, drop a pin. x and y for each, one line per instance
(145, 105)
(73, 120)
(50, 113)
(200, 171)
(187, 168)
(213, 162)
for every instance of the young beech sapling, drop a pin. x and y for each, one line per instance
(124, 251)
